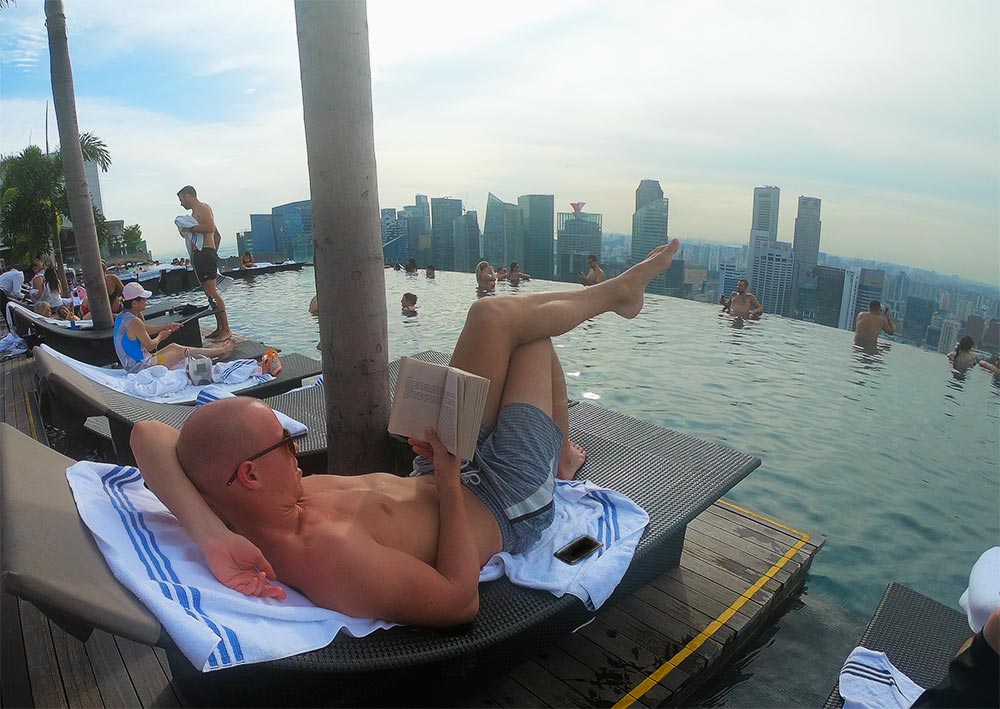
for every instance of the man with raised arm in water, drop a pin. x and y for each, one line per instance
(870, 324)
(404, 549)
(205, 260)
(743, 304)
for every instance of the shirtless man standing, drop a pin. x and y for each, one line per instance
(870, 324)
(595, 275)
(405, 549)
(743, 304)
(206, 260)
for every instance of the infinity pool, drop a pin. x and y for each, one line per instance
(891, 458)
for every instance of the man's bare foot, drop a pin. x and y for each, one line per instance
(220, 337)
(226, 348)
(570, 460)
(633, 282)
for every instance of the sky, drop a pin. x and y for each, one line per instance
(888, 111)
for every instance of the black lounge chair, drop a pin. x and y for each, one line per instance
(673, 487)
(97, 346)
(919, 636)
(68, 399)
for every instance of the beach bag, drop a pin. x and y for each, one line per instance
(199, 369)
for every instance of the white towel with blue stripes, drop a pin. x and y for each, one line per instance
(580, 508)
(214, 393)
(868, 680)
(215, 627)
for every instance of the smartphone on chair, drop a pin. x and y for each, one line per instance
(578, 549)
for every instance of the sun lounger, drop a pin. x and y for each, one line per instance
(919, 636)
(68, 399)
(97, 346)
(672, 488)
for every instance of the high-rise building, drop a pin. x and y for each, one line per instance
(444, 212)
(949, 335)
(93, 172)
(244, 242)
(991, 339)
(467, 242)
(917, 318)
(805, 245)
(772, 279)
(822, 295)
(539, 215)
(394, 237)
(650, 228)
(503, 233)
(975, 327)
(729, 277)
(871, 283)
(647, 191)
(262, 234)
(419, 229)
(579, 236)
(763, 222)
(849, 301)
(293, 229)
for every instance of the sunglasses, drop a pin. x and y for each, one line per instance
(286, 440)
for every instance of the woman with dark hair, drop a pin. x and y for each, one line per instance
(963, 358)
(50, 289)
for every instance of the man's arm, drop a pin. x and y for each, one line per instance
(887, 326)
(233, 559)
(206, 219)
(755, 307)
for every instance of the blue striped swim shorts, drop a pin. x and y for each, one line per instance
(513, 473)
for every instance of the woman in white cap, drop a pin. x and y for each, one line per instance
(136, 343)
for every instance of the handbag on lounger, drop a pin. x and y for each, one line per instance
(199, 369)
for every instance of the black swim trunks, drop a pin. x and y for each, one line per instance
(206, 264)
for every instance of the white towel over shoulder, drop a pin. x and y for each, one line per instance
(192, 240)
(150, 553)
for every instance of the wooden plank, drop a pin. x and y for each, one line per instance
(691, 617)
(769, 549)
(161, 656)
(754, 565)
(677, 634)
(15, 687)
(708, 605)
(504, 692)
(725, 511)
(77, 675)
(109, 669)
(603, 675)
(40, 654)
(753, 529)
(727, 574)
(148, 678)
(548, 687)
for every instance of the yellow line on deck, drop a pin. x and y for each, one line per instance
(31, 416)
(667, 667)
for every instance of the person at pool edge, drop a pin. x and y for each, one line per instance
(206, 259)
(871, 323)
(404, 549)
(743, 304)
(409, 304)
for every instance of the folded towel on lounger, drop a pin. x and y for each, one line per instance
(215, 627)
(869, 680)
(122, 381)
(214, 393)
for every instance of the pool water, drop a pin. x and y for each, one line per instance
(886, 454)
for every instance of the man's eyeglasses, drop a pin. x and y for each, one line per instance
(286, 440)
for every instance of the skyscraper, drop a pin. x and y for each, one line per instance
(579, 236)
(805, 245)
(394, 237)
(444, 211)
(649, 227)
(467, 241)
(848, 304)
(539, 212)
(949, 335)
(262, 233)
(293, 229)
(772, 279)
(871, 283)
(93, 173)
(503, 233)
(917, 318)
(647, 191)
(763, 222)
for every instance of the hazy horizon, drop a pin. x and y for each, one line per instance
(885, 112)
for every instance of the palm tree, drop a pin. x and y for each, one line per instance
(78, 196)
(33, 197)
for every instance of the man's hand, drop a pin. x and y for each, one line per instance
(446, 466)
(241, 566)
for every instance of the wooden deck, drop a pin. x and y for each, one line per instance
(655, 648)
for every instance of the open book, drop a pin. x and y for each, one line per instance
(450, 400)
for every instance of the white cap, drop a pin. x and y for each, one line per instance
(133, 290)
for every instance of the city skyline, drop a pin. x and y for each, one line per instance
(899, 141)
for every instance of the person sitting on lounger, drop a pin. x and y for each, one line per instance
(404, 549)
(43, 308)
(64, 312)
(136, 342)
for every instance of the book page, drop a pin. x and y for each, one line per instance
(447, 425)
(417, 401)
